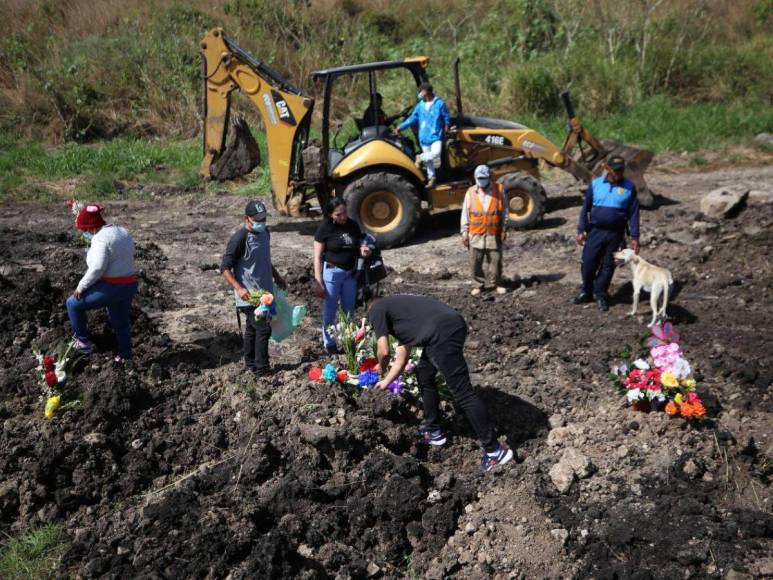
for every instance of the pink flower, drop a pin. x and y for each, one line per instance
(360, 334)
(692, 397)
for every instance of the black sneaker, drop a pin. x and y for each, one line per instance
(434, 438)
(490, 460)
(602, 304)
(582, 298)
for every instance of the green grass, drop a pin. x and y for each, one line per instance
(661, 125)
(33, 555)
(113, 169)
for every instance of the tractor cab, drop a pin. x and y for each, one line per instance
(342, 137)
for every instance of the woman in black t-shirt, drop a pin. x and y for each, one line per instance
(337, 245)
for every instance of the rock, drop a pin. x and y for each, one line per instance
(470, 528)
(560, 534)
(562, 476)
(372, 569)
(136, 444)
(681, 237)
(95, 439)
(444, 480)
(580, 464)
(760, 196)
(765, 139)
(692, 469)
(737, 575)
(704, 227)
(721, 202)
(559, 436)
(305, 551)
(556, 421)
(434, 496)
(764, 566)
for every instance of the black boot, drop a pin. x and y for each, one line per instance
(582, 298)
(602, 304)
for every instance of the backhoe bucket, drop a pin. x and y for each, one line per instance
(240, 154)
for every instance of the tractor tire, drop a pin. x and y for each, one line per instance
(526, 200)
(386, 205)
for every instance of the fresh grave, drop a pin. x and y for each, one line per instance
(665, 382)
(357, 344)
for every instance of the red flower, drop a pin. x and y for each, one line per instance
(342, 376)
(368, 364)
(315, 374)
(50, 378)
(69, 203)
(48, 362)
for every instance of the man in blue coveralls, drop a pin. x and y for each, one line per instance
(432, 116)
(609, 204)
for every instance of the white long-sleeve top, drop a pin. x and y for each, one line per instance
(111, 254)
(482, 241)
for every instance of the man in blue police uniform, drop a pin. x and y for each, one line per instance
(609, 204)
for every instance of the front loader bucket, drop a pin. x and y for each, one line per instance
(636, 163)
(590, 155)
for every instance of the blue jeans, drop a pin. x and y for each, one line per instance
(118, 300)
(340, 286)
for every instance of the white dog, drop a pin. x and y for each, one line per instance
(653, 279)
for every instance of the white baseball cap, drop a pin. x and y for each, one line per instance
(482, 172)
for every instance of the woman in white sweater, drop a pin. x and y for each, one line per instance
(109, 282)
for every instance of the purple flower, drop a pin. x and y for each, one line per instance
(367, 379)
(397, 386)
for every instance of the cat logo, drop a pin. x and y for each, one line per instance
(285, 114)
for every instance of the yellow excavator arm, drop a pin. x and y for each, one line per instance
(284, 109)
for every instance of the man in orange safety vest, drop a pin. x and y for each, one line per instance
(484, 223)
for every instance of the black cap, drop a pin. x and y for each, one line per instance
(426, 87)
(616, 162)
(256, 210)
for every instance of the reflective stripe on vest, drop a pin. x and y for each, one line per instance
(485, 221)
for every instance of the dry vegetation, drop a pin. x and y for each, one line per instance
(80, 70)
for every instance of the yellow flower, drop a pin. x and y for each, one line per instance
(52, 404)
(669, 380)
(689, 383)
(679, 398)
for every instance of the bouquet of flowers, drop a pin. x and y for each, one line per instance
(664, 382)
(351, 339)
(263, 302)
(53, 371)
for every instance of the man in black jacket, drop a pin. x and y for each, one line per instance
(247, 266)
(440, 331)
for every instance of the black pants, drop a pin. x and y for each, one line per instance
(256, 335)
(447, 356)
(598, 262)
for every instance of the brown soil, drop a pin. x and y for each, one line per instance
(196, 470)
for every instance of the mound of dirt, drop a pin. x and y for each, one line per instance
(180, 465)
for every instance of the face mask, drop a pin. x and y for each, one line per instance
(258, 227)
(421, 96)
(483, 183)
(88, 236)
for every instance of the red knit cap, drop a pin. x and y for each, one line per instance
(90, 217)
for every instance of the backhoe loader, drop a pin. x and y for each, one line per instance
(375, 169)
